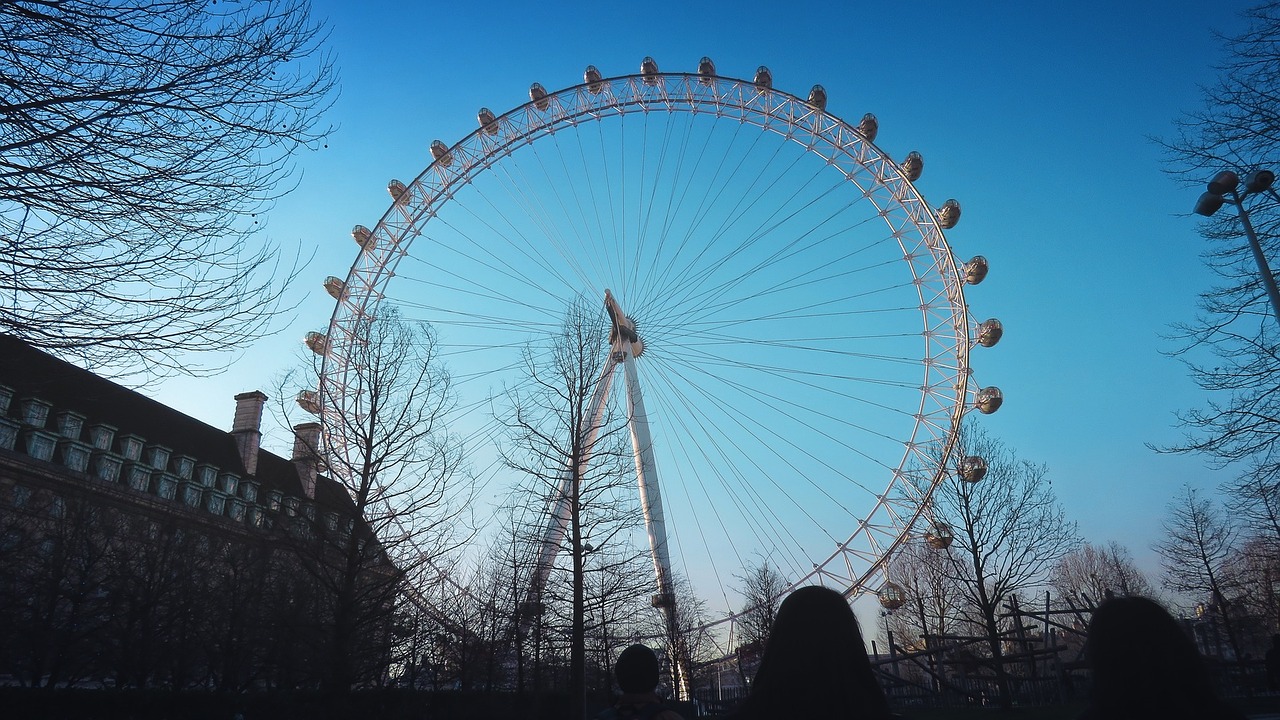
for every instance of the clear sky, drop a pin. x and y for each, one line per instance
(1038, 120)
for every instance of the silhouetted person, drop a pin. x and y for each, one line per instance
(1273, 663)
(637, 672)
(1146, 666)
(814, 665)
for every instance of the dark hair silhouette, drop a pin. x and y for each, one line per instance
(636, 670)
(1145, 665)
(815, 665)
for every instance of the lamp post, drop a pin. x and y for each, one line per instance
(1228, 183)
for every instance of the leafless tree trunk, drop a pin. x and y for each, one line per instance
(392, 453)
(761, 587)
(1197, 545)
(141, 143)
(1009, 532)
(553, 432)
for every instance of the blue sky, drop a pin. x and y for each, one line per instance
(1038, 120)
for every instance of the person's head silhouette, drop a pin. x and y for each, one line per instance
(1145, 665)
(815, 664)
(636, 670)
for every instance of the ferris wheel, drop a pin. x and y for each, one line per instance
(784, 310)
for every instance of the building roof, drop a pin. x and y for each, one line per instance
(32, 373)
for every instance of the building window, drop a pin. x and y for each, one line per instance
(35, 412)
(291, 505)
(21, 496)
(227, 483)
(206, 474)
(131, 447)
(249, 490)
(274, 499)
(8, 433)
(74, 454)
(215, 501)
(107, 467)
(139, 477)
(40, 444)
(69, 424)
(101, 435)
(183, 466)
(158, 457)
(166, 486)
(191, 493)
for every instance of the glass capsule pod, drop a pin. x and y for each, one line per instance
(975, 271)
(913, 166)
(649, 70)
(989, 400)
(538, 95)
(939, 537)
(317, 342)
(892, 596)
(488, 123)
(869, 127)
(336, 288)
(764, 78)
(362, 236)
(989, 332)
(397, 190)
(949, 214)
(706, 70)
(594, 80)
(441, 153)
(972, 468)
(309, 400)
(818, 97)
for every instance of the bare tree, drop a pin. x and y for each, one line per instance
(391, 451)
(1236, 128)
(761, 587)
(141, 140)
(1198, 543)
(1091, 573)
(1009, 532)
(576, 458)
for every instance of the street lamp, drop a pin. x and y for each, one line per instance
(1227, 183)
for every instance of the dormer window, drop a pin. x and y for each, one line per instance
(291, 505)
(8, 433)
(107, 467)
(166, 486)
(40, 444)
(6, 397)
(331, 521)
(74, 454)
(130, 447)
(274, 500)
(206, 474)
(227, 483)
(101, 435)
(249, 490)
(158, 456)
(183, 466)
(191, 493)
(69, 424)
(35, 412)
(215, 502)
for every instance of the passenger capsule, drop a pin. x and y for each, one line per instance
(336, 288)
(818, 97)
(487, 122)
(869, 127)
(441, 153)
(397, 190)
(309, 400)
(973, 469)
(949, 214)
(593, 79)
(318, 342)
(361, 235)
(975, 271)
(538, 95)
(764, 78)
(706, 70)
(989, 332)
(913, 166)
(988, 400)
(892, 596)
(649, 70)
(939, 537)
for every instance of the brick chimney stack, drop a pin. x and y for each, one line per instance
(306, 455)
(246, 428)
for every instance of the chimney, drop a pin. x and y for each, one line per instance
(246, 428)
(306, 456)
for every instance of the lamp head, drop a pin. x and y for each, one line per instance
(1208, 204)
(1259, 181)
(1224, 182)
